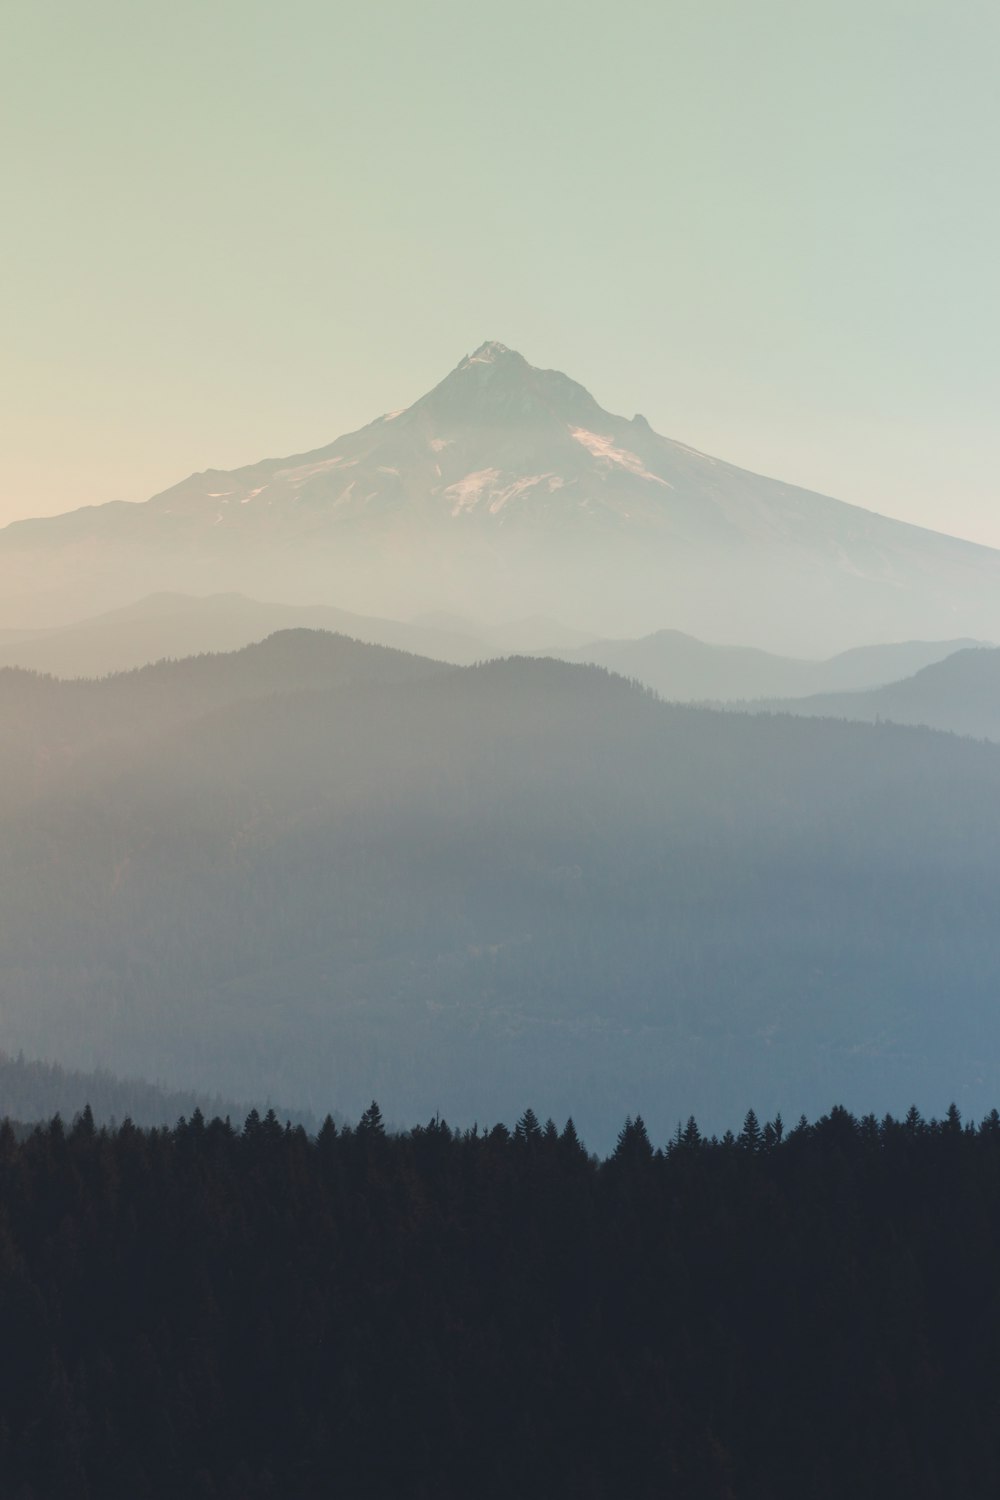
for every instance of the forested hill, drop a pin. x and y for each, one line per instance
(455, 888)
(72, 714)
(248, 1316)
(32, 1091)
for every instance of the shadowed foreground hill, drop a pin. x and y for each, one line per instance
(203, 1313)
(460, 888)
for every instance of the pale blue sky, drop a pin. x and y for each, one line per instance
(236, 229)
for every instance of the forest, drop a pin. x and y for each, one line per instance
(231, 1313)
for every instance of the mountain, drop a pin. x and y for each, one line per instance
(325, 872)
(686, 670)
(508, 491)
(960, 694)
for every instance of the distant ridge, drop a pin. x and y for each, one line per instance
(676, 665)
(178, 625)
(960, 694)
(683, 669)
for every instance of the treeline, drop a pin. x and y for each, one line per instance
(31, 1090)
(232, 1313)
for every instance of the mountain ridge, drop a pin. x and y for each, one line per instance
(676, 665)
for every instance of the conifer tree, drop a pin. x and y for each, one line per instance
(633, 1146)
(750, 1137)
(371, 1123)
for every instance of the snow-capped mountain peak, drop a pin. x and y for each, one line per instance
(489, 353)
(507, 488)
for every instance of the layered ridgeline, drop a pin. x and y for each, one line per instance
(171, 625)
(686, 670)
(960, 693)
(322, 872)
(677, 666)
(508, 491)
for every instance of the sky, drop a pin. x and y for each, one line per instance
(237, 229)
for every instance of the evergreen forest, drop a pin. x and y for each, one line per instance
(229, 1313)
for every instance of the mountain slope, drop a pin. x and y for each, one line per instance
(508, 490)
(684, 669)
(960, 694)
(49, 727)
(475, 887)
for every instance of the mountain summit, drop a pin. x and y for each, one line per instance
(497, 384)
(509, 490)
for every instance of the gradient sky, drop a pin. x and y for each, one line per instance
(236, 229)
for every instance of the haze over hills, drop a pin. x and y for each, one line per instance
(960, 694)
(42, 718)
(677, 666)
(326, 871)
(327, 858)
(34, 1091)
(180, 625)
(683, 669)
(507, 491)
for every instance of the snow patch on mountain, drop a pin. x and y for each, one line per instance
(604, 447)
(467, 492)
(481, 485)
(512, 491)
(486, 354)
(296, 477)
